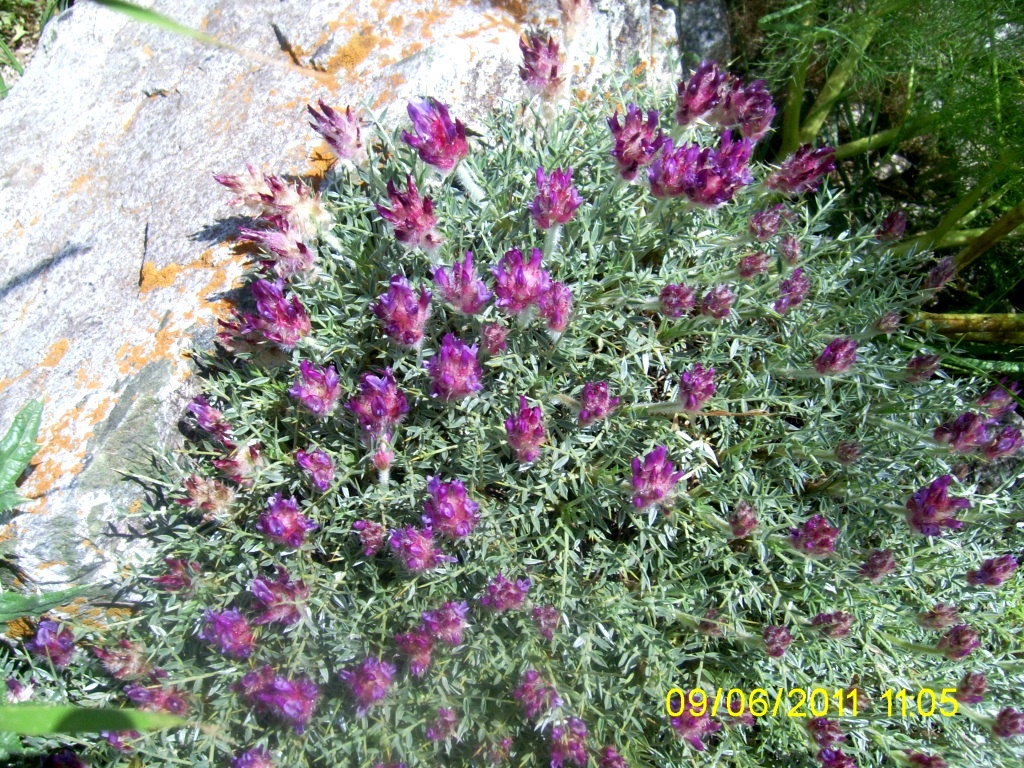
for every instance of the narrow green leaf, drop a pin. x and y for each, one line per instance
(17, 448)
(41, 720)
(14, 606)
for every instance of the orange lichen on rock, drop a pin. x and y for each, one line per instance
(153, 277)
(55, 353)
(19, 628)
(355, 51)
(85, 379)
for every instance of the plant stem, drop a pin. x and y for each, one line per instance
(794, 104)
(469, 184)
(1004, 226)
(551, 241)
(1004, 328)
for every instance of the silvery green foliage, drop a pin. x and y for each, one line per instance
(632, 586)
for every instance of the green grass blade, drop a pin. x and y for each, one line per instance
(14, 606)
(41, 720)
(7, 57)
(17, 448)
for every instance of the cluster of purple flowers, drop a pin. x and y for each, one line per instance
(707, 177)
(448, 510)
(696, 387)
(411, 217)
(526, 432)
(654, 480)
(281, 598)
(317, 388)
(289, 700)
(52, 643)
(930, 509)
(416, 550)
(282, 523)
(369, 682)
(815, 537)
(280, 318)
(210, 496)
(504, 595)
(720, 98)
(987, 433)
(454, 370)
(691, 727)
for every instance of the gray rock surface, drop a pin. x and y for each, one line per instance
(114, 232)
(703, 31)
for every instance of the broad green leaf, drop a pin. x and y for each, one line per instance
(17, 448)
(14, 606)
(41, 720)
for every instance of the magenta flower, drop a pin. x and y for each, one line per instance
(635, 140)
(753, 264)
(837, 357)
(275, 197)
(253, 758)
(943, 615)
(555, 307)
(518, 284)
(546, 618)
(444, 725)
(1009, 722)
(439, 142)
(972, 688)
(696, 387)
(892, 227)
(556, 200)
(718, 173)
(291, 701)
(929, 509)
(411, 216)
(447, 623)
(743, 521)
(526, 432)
(316, 388)
(278, 319)
(341, 131)
(537, 696)
(701, 94)
(240, 465)
(881, 562)
(569, 743)
(814, 537)
(369, 682)
(654, 480)
(921, 368)
(965, 434)
(1006, 442)
(504, 595)
(415, 548)
(494, 338)
(676, 300)
(792, 291)
(595, 404)
(460, 287)
(834, 625)
(318, 465)
(847, 453)
(541, 64)
(609, 757)
(748, 107)
(789, 247)
(803, 171)
(710, 625)
(52, 643)
(126, 662)
(888, 323)
(65, 758)
(692, 728)
(921, 760)
(449, 510)
(286, 252)
(998, 401)
(825, 732)
(834, 758)
(776, 641)
(993, 571)
(230, 632)
(171, 699)
(718, 302)
(281, 599)
(674, 169)
(379, 406)
(211, 420)
(959, 641)
(371, 536)
(941, 274)
(179, 576)
(417, 647)
(454, 370)
(210, 496)
(282, 522)
(765, 224)
(402, 314)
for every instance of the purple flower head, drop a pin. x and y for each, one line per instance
(291, 701)
(460, 287)
(416, 550)
(803, 171)
(609, 757)
(825, 732)
(547, 619)
(764, 225)
(555, 307)
(447, 623)
(411, 216)
(449, 510)
(282, 522)
(119, 740)
(892, 227)
(692, 728)
(126, 662)
(52, 643)
(701, 94)
(595, 404)
(837, 357)
(718, 302)
(959, 641)
(847, 453)
(417, 647)
(930, 509)
(718, 173)
(230, 632)
(879, 563)
(814, 537)
(210, 496)
(999, 401)
(792, 291)
(673, 170)
(921, 760)
(341, 131)
(211, 420)
(454, 370)
(749, 107)
(275, 197)
(569, 743)
(526, 432)
(444, 725)
(494, 338)
(834, 758)
(65, 758)
(497, 752)
(536, 695)
(439, 142)
(993, 572)
(316, 388)
(379, 406)
(635, 140)
(1006, 442)
(179, 576)
(254, 758)
(519, 284)
(382, 458)
(278, 319)
(371, 536)
(403, 315)
(943, 615)
(972, 688)
(171, 700)
(240, 465)
(696, 387)
(541, 64)
(676, 300)
(369, 682)
(834, 625)
(710, 625)
(318, 465)
(753, 264)
(281, 599)
(556, 200)
(284, 246)
(743, 521)
(922, 368)
(504, 595)
(654, 480)
(776, 641)
(1009, 722)
(790, 249)
(941, 274)
(888, 323)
